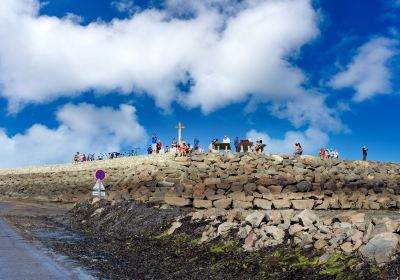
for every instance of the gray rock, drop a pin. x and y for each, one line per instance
(250, 187)
(177, 201)
(275, 232)
(367, 233)
(293, 229)
(238, 196)
(223, 203)
(238, 204)
(174, 227)
(303, 204)
(304, 186)
(381, 248)
(262, 203)
(255, 218)
(281, 203)
(200, 203)
(273, 217)
(212, 181)
(306, 218)
(224, 228)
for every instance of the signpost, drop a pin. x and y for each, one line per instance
(98, 189)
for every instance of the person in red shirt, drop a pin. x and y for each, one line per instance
(322, 153)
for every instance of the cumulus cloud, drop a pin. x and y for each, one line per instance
(124, 6)
(82, 127)
(368, 73)
(311, 140)
(231, 51)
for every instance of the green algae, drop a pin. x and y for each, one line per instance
(223, 247)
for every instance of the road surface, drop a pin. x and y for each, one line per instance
(20, 260)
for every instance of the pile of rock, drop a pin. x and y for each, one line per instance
(376, 239)
(252, 181)
(249, 181)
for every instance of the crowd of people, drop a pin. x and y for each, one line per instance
(181, 148)
(81, 157)
(328, 153)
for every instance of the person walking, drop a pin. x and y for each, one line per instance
(365, 152)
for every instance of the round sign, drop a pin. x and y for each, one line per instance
(100, 175)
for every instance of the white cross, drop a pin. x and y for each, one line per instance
(179, 127)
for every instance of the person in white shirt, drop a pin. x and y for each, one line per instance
(226, 140)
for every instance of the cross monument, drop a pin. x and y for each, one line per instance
(179, 127)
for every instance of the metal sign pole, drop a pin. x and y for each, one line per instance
(99, 187)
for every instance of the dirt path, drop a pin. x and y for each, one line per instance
(20, 259)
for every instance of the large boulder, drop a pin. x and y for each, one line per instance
(381, 248)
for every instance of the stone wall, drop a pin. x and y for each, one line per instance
(220, 181)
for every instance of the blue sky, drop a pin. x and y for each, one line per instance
(100, 75)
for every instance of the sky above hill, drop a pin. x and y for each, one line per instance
(102, 76)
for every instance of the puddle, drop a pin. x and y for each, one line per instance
(56, 234)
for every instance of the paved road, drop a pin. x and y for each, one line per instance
(20, 260)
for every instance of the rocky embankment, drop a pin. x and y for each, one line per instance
(132, 240)
(374, 236)
(246, 181)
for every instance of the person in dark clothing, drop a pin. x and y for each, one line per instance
(262, 146)
(236, 142)
(365, 153)
(149, 150)
(196, 144)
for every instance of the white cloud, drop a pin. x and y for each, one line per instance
(124, 6)
(311, 141)
(233, 51)
(369, 73)
(310, 109)
(82, 127)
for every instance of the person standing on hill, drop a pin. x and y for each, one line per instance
(236, 142)
(154, 143)
(196, 144)
(226, 140)
(365, 153)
